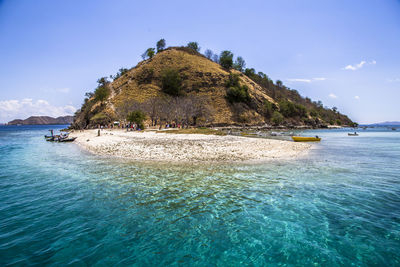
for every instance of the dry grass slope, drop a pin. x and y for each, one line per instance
(201, 77)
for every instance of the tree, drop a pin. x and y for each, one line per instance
(120, 72)
(226, 59)
(153, 107)
(268, 109)
(100, 118)
(101, 93)
(250, 72)
(277, 118)
(137, 117)
(160, 45)
(235, 92)
(194, 45)
(279, 83)
(334, 109)
(89, 95)
(215, 58)
(208, 53)
(122, 109)
(240, 64)
(149, 53)
(171, 82)
(102, 81)
(289, 109)
(238, 94)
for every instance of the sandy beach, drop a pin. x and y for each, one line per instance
(167, 147)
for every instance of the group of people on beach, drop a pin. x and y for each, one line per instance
(131, 127)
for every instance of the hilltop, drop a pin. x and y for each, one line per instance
(43, 120)
(180, 85)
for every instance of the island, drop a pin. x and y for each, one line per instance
(43, 120)
(180, 88)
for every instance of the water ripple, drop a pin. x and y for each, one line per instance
(59, 206)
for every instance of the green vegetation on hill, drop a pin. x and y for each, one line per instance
(179, 85)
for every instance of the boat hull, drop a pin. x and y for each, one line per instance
(305, 139)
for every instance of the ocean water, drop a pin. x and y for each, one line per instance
(339, 206)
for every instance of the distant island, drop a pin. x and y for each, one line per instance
(386, 123)
(180, 86)
(43, 120)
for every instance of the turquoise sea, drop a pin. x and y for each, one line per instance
(339, 206)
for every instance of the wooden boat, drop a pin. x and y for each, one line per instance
(59, 137)
(71, 139)
(352, 134)
(50, 137)
(306, 139)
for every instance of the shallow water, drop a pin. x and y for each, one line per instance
(338, 206)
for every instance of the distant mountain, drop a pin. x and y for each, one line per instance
(386, 123)
(43, 120)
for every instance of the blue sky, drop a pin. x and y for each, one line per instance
(344, 53)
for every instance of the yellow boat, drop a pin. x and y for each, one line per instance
(306, 139)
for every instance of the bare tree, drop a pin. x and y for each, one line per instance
(208, 53)
(152, 108)
(123, 109)
(185, 110)
(215, 58)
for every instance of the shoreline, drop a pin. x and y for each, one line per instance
(154, 146)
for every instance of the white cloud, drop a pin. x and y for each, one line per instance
(395, 80)
(299, 80)
(359, 65)
(356, 97)
(63, 90)
(22, 109)
(302, 80)
(331, 95)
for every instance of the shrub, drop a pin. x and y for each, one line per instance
(194, 45)
(171, 82)
(314, 113)
(146, 75)
(232, 81)
(289, 109)
(100, 118)
(277, 118)
(226, 59)
(120, 72)
(137, 117)
(269, 109)
(236, 92)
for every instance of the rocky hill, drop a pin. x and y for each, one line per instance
(43, 120)
(180, 85)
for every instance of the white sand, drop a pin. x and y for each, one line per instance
(167, 147)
